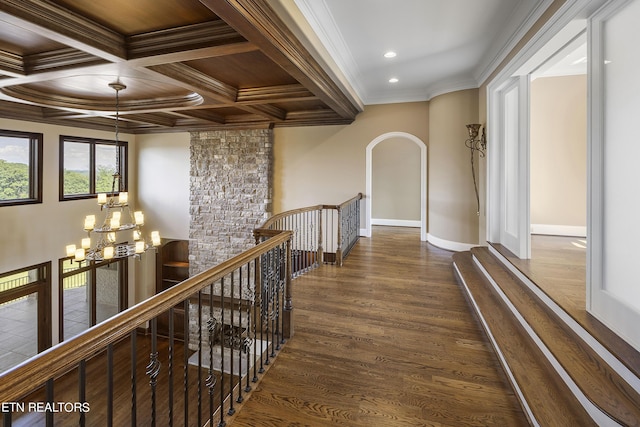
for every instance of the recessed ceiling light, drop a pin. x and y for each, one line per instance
(393, 80)
(390, 54)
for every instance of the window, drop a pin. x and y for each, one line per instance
(87, 167)
(25, 312)
(20, 168)
(90, 293)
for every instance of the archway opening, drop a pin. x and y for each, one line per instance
(401, 138)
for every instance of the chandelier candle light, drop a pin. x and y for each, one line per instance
(103, 241)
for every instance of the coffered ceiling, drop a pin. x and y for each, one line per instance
(186, 65)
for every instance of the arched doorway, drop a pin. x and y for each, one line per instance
(423, 178)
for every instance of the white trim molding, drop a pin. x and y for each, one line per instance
(450, 245)
(396, 222)
(559, 230)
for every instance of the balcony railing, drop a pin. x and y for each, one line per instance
(238, 314)
(321, 233)
(234, 319)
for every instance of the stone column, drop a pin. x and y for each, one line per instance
(231, 188)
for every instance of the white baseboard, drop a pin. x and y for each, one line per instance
(449, 245)
(559, 230)
(396, 222)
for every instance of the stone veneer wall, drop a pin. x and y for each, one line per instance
(231, 187)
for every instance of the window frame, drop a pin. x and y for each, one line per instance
(93, 142)
(91, 268)
(35, 167)
(41, 286)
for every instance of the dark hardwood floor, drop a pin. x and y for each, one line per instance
(558, 267)
(386, 340)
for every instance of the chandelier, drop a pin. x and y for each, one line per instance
(105, 240)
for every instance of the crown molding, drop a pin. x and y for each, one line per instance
(508, 41)
(331, 37)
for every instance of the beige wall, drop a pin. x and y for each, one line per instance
(163, 182)
(32, 234)
(326, 164)
(395, 166)
(452, 202)
(559, 151)
(38, 233)
(163, 194)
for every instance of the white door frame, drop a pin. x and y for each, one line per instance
(508, 166)
(606, 303)
(556, 32)
(423, 179)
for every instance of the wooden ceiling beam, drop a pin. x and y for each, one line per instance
(207, 86)
(266, 110)
(197, 81)
(60, 59)
(149, 119)
(259, 24)
(60, 44)
(158, 57)
(273, 94)
(11, 65)
(206, 115)
(185, 38)
(64, 26)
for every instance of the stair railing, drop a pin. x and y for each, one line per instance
(321, 233)
(236, 316)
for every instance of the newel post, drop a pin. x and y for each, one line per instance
(288, 302)
(320, 242)
(339, 248)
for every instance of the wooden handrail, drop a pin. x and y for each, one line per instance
(56, 361)
(351, 200)
(269, 222)
(314, 233)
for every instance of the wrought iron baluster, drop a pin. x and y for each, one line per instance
(282, 280)
(199, 358)
(134, 378)
(49, 397)
(222, 323)
(185, 361)
(272, 296)
(256, 309)
(110, 385)
(276, 281)
(82, 390)
(249, 327)
(266, 304)
(171, 347)
(262, 309)
(232, 336)
(153, 368)
(241, 298)
(211, 329)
